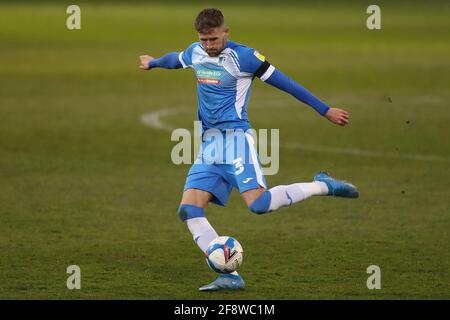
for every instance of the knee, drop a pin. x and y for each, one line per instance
(188, 211)
(261, 204)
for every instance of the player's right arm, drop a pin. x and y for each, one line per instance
(172, 60)
(168, 61)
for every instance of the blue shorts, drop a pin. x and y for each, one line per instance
(225, 162)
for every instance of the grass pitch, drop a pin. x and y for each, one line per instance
(84, 182)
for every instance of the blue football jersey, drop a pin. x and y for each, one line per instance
(224, 83)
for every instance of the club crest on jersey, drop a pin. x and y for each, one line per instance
(208, 76)
(222, 60)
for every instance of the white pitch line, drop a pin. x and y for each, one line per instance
(364, 153)
(153, 120)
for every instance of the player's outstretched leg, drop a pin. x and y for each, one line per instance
(337, 188)
(286, 195)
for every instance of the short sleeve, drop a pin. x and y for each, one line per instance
(251, 61)
(185, 56)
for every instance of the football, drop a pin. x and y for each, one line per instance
(224, 254)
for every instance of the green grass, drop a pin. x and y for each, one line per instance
(83, 181)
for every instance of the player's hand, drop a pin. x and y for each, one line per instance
(145, 60)
(337, 116)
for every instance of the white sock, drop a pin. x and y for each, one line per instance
(202, 232)
(290, 194)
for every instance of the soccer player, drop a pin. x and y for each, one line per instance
(225, 71)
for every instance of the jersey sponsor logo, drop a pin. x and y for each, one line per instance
(208, 76)
(208, 81)
(259, 56)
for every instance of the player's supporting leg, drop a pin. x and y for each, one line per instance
(192, 210)
(286, 195)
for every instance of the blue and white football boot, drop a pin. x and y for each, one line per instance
(337, 188)
(225, 282)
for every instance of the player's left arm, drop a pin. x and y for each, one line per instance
(255, 63)
(279, 80)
